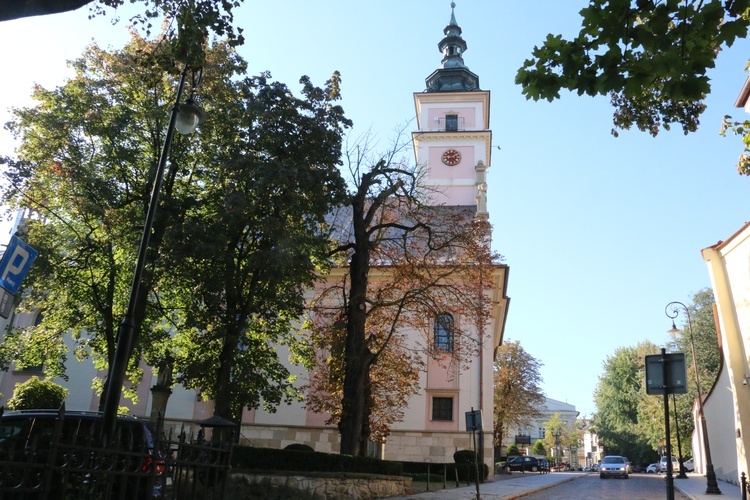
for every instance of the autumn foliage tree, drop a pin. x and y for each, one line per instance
(517, 389)
(398, 263)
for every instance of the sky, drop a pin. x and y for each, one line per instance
(600, 233)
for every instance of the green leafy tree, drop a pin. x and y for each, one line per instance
(539, 449)
(651, 57)
(517, 389)
(513, 450)
(237, 236)
(35, 394)
(192, 20)
(620, 397)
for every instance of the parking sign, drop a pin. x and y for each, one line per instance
(15, 263)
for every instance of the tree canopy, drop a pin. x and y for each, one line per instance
(398, 264)
(651, 57)
(517, 389)
(238, 234)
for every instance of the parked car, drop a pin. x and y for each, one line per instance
(652, 468)
(613, 465)
(522, 464)
(663, 464)
(688, 465)
(29, 436)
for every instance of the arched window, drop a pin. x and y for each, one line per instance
(443, 332)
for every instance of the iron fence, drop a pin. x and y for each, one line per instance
(60, 455)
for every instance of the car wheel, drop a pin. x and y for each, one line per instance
(601, 476)
(507, 469)
(534, 468)
(626, 476)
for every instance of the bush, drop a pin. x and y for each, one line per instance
(513, 450)
(37, 394)
(248, 457)
(298, 447)
(464, 457)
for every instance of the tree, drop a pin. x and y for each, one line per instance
(213, 15)
(620, 397)
(538, 449)
(244, 253)
(650, 56)
(517, 389)
(404, 263)
(236, 238)
(513, 450)
(35, 394)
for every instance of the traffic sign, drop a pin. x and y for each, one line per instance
(15, 264)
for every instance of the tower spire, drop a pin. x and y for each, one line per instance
(453, 75)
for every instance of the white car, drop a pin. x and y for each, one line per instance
(613, 465)
(689, 466)
(663, 465)
(652, 469)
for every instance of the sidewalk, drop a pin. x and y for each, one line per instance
(694, 487)
(517, 486)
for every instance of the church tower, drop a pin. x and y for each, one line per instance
(453, 142)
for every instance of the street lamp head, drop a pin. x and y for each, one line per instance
(189, 116)
(674, 332)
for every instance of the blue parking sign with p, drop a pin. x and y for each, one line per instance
(15, 263)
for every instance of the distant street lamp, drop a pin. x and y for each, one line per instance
(712, 487)
(556, 433)
(184, 118)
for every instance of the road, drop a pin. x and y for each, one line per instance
(637, 487)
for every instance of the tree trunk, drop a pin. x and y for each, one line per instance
(223, 389)
(357, 361)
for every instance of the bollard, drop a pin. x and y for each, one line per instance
(743, 485)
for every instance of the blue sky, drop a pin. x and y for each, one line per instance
(600, 233)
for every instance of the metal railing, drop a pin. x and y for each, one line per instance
(60, 456)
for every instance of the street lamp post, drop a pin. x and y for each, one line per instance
(681, 474)
(556, 433)
(712, 487)
(184, 118)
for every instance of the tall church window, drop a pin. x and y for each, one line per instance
(451, 123)
(443, 332)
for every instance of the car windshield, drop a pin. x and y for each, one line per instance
(613, 460)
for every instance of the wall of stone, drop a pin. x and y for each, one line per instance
(326, 486)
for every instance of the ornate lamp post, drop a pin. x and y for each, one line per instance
(681, 474)
(556, 433)
(184, 118)
(672, 311)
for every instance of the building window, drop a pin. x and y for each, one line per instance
(442, 409)
(444, 332)
(451, 123)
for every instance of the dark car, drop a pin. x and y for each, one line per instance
(523, 464)
(64, 451)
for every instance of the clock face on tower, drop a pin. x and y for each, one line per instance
(451, 157)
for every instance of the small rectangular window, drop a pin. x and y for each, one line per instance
(451, 123)
(442, 409)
